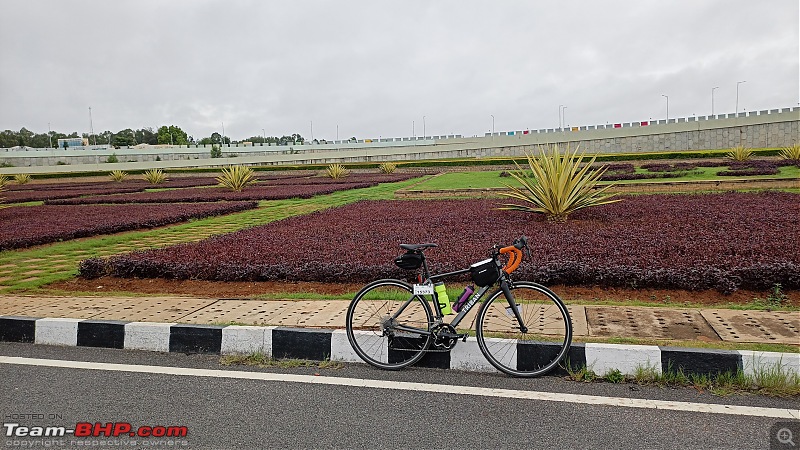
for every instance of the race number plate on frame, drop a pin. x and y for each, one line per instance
(423, 289)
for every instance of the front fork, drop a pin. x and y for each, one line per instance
(513, 304)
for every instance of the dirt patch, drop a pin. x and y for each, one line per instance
(215, 289)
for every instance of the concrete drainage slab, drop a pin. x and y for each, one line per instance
(76, 308)
(649, 323)
(153, 309)
(775, 327)
(301, 313)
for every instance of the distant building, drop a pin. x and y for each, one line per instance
(73, 142)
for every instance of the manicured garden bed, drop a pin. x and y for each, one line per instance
(54, 194)
(34, 225)
(214, 194)
(627, 173)
(694, 242)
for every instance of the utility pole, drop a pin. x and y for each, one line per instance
(91, 126)
(737, 95)
(49, 136)
(712, 99)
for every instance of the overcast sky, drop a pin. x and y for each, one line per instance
(374, 67)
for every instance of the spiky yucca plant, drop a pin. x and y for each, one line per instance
(791, 152)
(559, 185)
(739, 153)
(155, 176)
(337, 171)
(22, 178)
(118, 175)
(235, 177)
(388, 167)
(3, 181)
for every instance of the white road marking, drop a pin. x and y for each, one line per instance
(737, 410)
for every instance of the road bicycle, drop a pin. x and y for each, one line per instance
(522, 328)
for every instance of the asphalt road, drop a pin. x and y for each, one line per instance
(226, 412)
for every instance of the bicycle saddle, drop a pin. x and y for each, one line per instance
(416, 247)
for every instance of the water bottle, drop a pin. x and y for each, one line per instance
(442, 298)
(462, 299)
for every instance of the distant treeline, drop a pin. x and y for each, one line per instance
(167, 134)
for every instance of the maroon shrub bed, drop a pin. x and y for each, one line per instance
(42, 194)
(749, 168)
(255, 192)
(34, 225)
(695, 242)
(354, 178)
(663, 167)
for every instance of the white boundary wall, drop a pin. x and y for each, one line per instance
(775, 128)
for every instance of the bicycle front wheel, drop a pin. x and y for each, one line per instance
(538, 349)
(388, 326)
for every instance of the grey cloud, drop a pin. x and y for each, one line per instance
(374, 67)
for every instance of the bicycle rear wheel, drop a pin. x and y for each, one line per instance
(374, 321)
(531, 353)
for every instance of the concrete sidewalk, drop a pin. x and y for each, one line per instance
(706, 325)
(314, 330)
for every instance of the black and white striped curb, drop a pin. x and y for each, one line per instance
(320, 344)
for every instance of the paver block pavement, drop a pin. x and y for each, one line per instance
(653, 323)
(774, 327)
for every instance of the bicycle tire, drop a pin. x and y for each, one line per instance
(529, 354)
(371, 334)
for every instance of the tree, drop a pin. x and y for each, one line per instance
(206, 141)
(123, 138)
(24, 137)
(172, 135)
(216, 138)
(8, 139)
(146, 136)
(105, 137)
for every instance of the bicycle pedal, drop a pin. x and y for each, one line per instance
(463, 337)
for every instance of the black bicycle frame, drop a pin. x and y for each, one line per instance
(474, 299)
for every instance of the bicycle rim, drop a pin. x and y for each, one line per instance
(534, 352)
(373, 318)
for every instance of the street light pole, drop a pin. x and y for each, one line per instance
(49, 136)
(312, 131)
(423, 127)
(413, 132)
(222, 138)
(492, 125)
(564, 118)
(737, 95)
(91, 125)
(560, 127)
(264, 134)
(667, 97)
(712, 99)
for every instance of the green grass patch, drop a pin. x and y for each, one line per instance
(259, 359)
(492, 179)
(772, 381)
